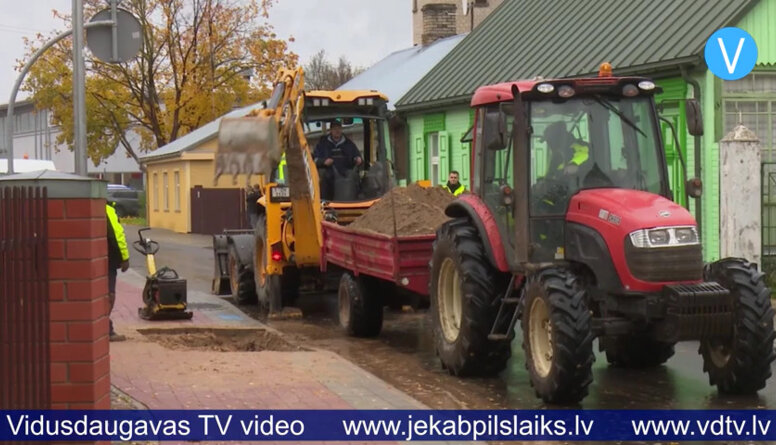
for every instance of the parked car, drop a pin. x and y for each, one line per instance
(124, 199)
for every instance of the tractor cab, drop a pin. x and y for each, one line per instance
(576, 135)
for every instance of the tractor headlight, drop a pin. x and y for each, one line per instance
(664, 237)
(686, 235)
(659, 237)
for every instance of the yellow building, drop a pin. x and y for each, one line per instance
(180, 191)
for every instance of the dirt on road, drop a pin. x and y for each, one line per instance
(415, 210)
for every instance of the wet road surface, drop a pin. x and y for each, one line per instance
(403, 354)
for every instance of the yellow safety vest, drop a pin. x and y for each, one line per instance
(457, 192)
(118, 231)
(581, 154)
(282, 169)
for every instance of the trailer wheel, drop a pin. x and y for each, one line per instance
(360, 311)
(557, 336)
(464, 291)
(742, 363)
(633, 351)
(240, 279)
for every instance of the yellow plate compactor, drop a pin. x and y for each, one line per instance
(164, 294)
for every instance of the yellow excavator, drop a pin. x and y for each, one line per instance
(282, 253)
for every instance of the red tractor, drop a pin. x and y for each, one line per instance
(572, 230)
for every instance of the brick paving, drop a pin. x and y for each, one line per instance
(160, 378)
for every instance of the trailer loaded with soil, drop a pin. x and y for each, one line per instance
(385, 254)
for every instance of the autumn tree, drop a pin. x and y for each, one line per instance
(200, 59)
(321, 74)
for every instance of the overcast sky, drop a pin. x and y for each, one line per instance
(364, 31)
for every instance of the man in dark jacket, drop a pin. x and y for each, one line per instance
(252, 195)
(334, 154)
(118, 258)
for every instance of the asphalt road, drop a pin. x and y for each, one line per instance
(403, 354)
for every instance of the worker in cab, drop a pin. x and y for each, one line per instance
(567, 152)
(335, 156)
(453, 185)
(568, 156)
(118, 258)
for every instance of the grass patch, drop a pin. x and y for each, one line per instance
(133, 220)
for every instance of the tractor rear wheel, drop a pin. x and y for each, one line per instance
(464, 293)
(634, 351)
(742, 363)
(557, 336)
(360, 310)
(240, 279)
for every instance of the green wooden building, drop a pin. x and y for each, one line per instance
(661, 39)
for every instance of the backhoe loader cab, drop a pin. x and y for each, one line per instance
(362, 115)
(571, 230)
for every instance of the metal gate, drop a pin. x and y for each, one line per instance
(24, 302)
(216, 210)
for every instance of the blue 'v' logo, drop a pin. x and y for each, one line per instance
(731, 53)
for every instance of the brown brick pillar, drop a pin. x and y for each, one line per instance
(78, 289)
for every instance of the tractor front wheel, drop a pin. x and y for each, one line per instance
(557, 336)
(464, 293)
(742, 363)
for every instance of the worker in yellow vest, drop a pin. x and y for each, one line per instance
(281, 176)
(118, 258)
(567, 153)
(453, 185)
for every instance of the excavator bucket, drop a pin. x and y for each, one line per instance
(247, 145)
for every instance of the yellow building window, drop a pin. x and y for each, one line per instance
(166, 185)
(156, 192)
(177, 179)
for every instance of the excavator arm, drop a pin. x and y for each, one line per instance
(254, 145)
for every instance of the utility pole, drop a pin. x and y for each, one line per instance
(79, 89)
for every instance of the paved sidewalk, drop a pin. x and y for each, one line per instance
(161, 378)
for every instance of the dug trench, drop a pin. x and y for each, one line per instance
(219, 340)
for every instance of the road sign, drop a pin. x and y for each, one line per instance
(731, 53)
(129, 36)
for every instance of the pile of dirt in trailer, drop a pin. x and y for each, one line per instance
(418, 210)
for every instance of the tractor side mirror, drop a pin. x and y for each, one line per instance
(495, 130)
(694, 188)
(694, 117)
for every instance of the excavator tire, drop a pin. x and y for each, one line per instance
(464, 303)
(742, 363)
(283, 288)
(240, 279)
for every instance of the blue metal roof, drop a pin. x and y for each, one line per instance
(401, 70)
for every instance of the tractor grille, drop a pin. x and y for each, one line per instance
(678, 263)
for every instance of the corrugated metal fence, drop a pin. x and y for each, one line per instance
(24, 305)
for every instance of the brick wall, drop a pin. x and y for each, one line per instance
(462, 23)
(438, 22)
(78, 288)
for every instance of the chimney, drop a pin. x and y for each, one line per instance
(438, 22)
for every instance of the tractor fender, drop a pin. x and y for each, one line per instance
(244, 245)
(471, 206)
